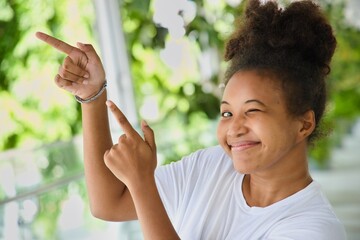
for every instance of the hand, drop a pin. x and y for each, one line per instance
(82, 72)
(133, 159)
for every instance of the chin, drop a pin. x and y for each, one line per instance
(243, 168)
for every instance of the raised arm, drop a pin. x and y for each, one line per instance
(82, 74)
(133, 161)
(119, 177)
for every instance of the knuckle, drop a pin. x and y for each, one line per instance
(62, 71)
(88, 45)
(67, 83)
(66, 66)
(67, 60)
(122, 138)
(57, 44)
(77, 51)
(64, 74)
(108, 154)
(107, 160)
(57, 79)
(122, 120)
(112, 108)
(81, 54)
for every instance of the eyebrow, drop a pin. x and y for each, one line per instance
(248, 101)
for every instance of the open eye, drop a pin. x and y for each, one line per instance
(226, 114)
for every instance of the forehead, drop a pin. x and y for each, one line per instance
(253, 84)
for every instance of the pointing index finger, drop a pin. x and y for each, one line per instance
(122, 120)
(56, 43)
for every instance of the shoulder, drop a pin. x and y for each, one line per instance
(177, 182)
(213, 152)
(210, 155)
(201, 164)
(310, 217)
(206, 156)
(309, 226)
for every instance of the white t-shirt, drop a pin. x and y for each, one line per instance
(203, 198)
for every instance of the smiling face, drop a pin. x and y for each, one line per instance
(255, 129)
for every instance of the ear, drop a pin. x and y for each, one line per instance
(307, 124)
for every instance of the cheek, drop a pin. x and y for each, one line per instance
(220, 132)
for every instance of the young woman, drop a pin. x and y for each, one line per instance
(256, 183)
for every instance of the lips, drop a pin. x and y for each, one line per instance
(243, 145)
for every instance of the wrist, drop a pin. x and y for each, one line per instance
(142, 185)
(94, 97)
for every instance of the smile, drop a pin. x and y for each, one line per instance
(243, 145)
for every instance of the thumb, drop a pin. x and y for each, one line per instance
(148, 135)
(106, 153)
(88, 49)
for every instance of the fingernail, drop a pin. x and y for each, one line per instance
(145, 123)
(108, 103)
(81, 44)
(85, 82)
(86, 75)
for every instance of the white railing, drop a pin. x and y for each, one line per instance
(43, 196)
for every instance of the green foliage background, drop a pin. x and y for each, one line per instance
(189, 120)
(35, 112)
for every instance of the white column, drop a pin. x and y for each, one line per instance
(11, 229)
(114, 56)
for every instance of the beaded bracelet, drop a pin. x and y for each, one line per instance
(80, 100)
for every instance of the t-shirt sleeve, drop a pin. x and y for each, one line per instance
(179, 182)
(320, 229)
(172, 182)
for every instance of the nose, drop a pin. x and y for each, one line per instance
(237, 127)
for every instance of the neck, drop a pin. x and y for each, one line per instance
(262, 189)
(262, 193)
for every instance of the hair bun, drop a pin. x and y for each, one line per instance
(300, 30)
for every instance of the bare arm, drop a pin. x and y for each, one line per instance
(109, 198)
(83, 75)
(113, 171)
(133, 161)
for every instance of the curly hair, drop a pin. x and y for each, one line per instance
(296, 44)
